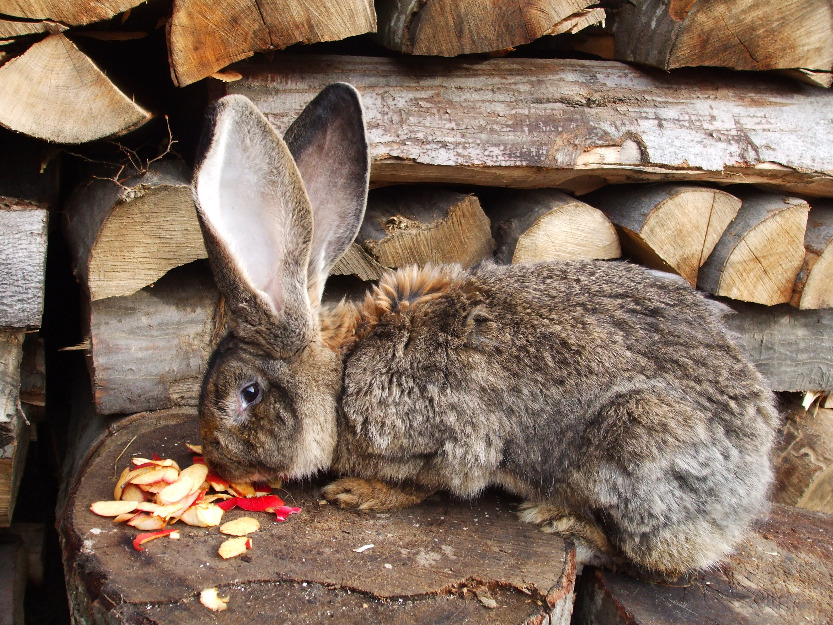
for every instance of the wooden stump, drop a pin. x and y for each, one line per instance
(670, 227)
(814, 284)
(443, 561)
(760, 254)
(781, 575)
(545, 122)
(538, 225)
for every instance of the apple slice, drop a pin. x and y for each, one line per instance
(131, 492)
(197, 449)
(113, 508)
(211, 600)
(202, 515)
(147, 522)
(240, 527)
(141, 539)
(242, 489)
(154, 473)
(233, 547)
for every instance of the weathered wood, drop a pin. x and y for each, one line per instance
(814, 284)
(671, 227)
(206, 35)
(446, 28)
(22, 263)
(793, 349)
(760, 254)
(741, 34)
(533, 225)
(427, 564)
(804, 460)
(126, 235)
(566, 124)
(12, 580)
(781, 575)
(55, 92)
(14, 431)
(149, 350)
(420, 225)
(69, 12)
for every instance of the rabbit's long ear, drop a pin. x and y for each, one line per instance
(329, 144)
(257, 224)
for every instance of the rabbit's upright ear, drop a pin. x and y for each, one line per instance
(257, 225)
(329, 144)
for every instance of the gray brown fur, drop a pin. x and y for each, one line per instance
(612, 399)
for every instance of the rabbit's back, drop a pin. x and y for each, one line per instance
(594, 386)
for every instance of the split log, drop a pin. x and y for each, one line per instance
(538, 225)
(126, 235)
(780, 575)
(22, 263)
(206, 35)
(10, 28)
(442, 28)
(149, 350)
(814, 284)
(68, 12)
(760, 254)
(55, 92)
(441, 561)
(14, 430)
(545, 123)
(740, 34)
(793, 349)
(804, 460)
(420, 225)
(668, 226)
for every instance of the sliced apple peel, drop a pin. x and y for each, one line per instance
(211, 600)
(141, 539)
(113, 508)
(233, 547)
(242, 526)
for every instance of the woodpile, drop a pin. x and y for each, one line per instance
(499, 132)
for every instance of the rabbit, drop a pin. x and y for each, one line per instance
(610, 399)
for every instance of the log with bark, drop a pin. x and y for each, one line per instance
(442, 561)
(67, 12)
(780, 575)
(761, 252)
(444, 28)
(14, 429)
(804, 460)
(23, 228)
(671, 227)
(531, 225)
(740, 34)
(125, 235)
(149, 350)
(55, 92)
(204, 35)
(567, 124)
(13, 573)
(793, 349)
(814, 284)
(406, 225)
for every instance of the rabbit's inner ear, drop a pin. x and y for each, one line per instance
(254, 211)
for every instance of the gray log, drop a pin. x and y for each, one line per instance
(22, 263)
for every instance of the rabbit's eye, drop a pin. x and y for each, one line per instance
(251, 394)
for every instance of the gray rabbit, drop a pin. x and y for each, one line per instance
(610, 398)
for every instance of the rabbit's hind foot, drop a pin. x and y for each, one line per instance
(372, 495)
(556, 520)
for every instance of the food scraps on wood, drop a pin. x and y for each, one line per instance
(152, 493)
(211, 600)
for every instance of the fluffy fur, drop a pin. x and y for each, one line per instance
(612, 399)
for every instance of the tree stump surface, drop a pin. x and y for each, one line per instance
(781, 574)
(443, 561)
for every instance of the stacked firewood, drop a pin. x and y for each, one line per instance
(500, 133)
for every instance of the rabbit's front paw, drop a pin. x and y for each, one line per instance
(372, 495)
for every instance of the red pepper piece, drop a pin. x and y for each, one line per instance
(143, 538)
